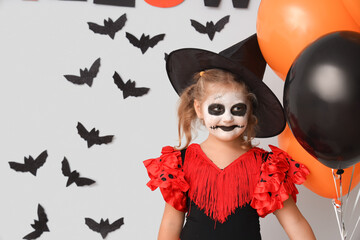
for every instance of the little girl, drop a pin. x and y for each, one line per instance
(225, 183)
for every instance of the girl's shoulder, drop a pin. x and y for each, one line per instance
(279, 174)
(274, 153)
(165, 172)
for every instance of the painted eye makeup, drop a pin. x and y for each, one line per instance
(239, 109)
(216, 109)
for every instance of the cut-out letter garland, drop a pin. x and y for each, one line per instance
(129, 88)
(210, 29)
(40, 225)
(236, 3)
(93, 137)
(145, 41)
(104, 227)
(110, 27)
(86, 76)
(121, 3)
(212, 3)
(131, 3)
(74, 176)
(240, 3)
(164, 3)
(30, 164)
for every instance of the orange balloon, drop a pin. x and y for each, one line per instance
(320, 180)
(286, 27)
(353, 7)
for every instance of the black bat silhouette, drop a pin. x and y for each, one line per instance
(210, 29)
(40, 225)
(86, 76)
(104, 227)
(93, 137)
(30, 165)
(129, 88)
(74, 176)
(110, 27)
(145, 41)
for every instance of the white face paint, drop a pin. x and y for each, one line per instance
(225, 114)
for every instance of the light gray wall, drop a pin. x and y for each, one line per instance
(39, 43)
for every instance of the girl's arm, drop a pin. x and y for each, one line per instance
(171, 223)
(293, 222)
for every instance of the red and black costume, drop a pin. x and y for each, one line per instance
(225, 203)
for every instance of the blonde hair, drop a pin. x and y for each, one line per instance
(186, 111)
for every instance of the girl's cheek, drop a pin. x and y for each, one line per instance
(211, 120)
(242, 120)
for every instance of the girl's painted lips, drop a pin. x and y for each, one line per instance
(227, 128)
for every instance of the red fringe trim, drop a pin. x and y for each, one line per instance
(219, 192)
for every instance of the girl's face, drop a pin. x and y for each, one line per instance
(224, 112)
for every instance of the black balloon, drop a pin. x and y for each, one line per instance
(322, 99)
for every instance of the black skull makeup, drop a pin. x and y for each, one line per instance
(239, 109)
(217, 109)
(227, 129)
(225, 113)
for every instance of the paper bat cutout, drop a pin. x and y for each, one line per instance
(93, 137)
(122, 3)
(145, 41)
(40, 225)
(86, 76)
(110, 27)
(74, 176)
(129, 88)
(210, 29)
(104, 227)
(30, 165)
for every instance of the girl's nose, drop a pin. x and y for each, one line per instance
(228, 117)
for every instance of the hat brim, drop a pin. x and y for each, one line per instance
(182, 64)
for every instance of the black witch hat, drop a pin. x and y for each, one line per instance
(243, 59)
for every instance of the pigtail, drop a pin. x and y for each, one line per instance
(186, 111)
(252, 125)
(186, 116)
(253, 120)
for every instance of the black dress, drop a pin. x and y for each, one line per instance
(243, 224)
